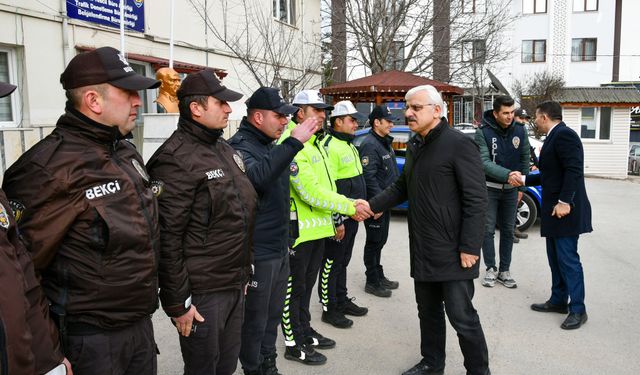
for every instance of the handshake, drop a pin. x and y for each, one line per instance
(515, 179)
(363, 211)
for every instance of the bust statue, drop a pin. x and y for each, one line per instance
(167, 100)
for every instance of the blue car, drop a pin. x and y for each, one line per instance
(528, 208)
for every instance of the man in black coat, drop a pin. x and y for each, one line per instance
(444, 183)
(565, 214)
(267, 167)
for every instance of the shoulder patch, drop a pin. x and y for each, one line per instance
(17, 208)
(365, 161)
(4, 217)
(293, 168)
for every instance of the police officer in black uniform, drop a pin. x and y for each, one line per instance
(380, 170)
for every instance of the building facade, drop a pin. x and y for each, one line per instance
(235, 38)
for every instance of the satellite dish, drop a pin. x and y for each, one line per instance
(495, 82)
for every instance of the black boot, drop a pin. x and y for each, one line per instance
(304, 354)
(268, 365)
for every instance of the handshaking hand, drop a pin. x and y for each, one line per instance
(304, 131)
(515, 179)
(363, 211)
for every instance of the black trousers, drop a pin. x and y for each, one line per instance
(304, 261)
(263, 311)
(377, 234)
(454, 297)
(128, 351)
(214, 347)
(332, 282)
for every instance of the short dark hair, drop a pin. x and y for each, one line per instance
(502, 101)
(185, 102)
(74, 96)
(332, 120)
(552, 109)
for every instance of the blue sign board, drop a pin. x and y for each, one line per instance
(107, 12)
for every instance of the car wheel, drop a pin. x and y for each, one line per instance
(527, 213)
(634, 167)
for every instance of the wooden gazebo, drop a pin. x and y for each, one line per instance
(386, 87)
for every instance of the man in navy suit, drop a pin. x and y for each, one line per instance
(566, 213)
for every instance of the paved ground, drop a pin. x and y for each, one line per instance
(520, 341)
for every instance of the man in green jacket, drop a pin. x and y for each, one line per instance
(313, 200)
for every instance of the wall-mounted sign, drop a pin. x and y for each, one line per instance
(107, 12)
(635, 118)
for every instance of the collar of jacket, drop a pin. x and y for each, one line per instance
(489, 120)
(246, 126)
(387, 140)
(199, 131)
(341, 136)
(419, 141)
(82, 125)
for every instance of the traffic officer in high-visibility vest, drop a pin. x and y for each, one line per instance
(313, 200)
(346, 171)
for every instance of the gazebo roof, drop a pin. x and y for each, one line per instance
(393, 82)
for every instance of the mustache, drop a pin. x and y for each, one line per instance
(411, 118)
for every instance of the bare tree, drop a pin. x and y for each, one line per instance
(411, 35)
(534, 89)
(273, 53)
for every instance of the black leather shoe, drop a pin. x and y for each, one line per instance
(318, 341)
(549, 307)
(516, 239)
(377, 290)
(388, 284)
(336, 319)
(423, 368)
(574, 321)
(350, 308)
(304, 354)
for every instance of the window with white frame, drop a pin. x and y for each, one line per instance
(534, 51)
(534, 6)
(285, 11)
(583, 49)
(474, 50)
(473, 6)
(585, 5)
(9, 105)
(595, 122)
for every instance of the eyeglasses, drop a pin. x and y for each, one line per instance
(417, 107)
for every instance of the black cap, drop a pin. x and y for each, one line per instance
(6, 89)
(521, 112)
(206, 83)
(269, 98)
(381, 112)
(104, 65)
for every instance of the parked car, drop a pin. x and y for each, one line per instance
(634, 159)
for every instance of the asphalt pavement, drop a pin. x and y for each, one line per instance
(520, 341)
